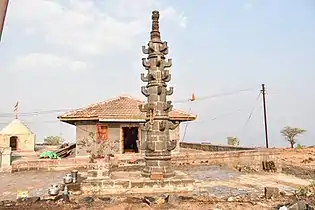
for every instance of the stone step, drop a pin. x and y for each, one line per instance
(98, 173)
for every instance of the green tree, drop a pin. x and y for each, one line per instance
(291, 133)
(234, 141)
(53, 140)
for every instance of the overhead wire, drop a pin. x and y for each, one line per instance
(44, 112)
(225, 115)
(251, 113)
(208, 97)
(216, 95)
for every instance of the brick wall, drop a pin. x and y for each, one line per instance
(212, 148)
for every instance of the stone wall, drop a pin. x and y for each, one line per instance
(212, 148)
(235, 159)
(86, 139)
(5, 159)
(86, 144)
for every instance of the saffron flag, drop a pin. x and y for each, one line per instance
(193, 97)
(3, 13)
(16, 107)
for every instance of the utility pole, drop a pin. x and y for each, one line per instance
(263, 91)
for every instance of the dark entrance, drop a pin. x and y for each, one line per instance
(13, 142)
(130, 135)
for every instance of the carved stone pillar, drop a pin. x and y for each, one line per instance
(158, 145)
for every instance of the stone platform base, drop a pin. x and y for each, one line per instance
(134, 183)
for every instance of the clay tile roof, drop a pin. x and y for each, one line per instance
(122, 108)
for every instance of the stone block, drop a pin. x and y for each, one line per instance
(157, 176)
(121, 184)
(271, 192)
(301, 205)
(92, 173)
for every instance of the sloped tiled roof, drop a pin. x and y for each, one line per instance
(121, 108)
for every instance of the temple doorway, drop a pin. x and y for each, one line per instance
(13, 142)
(130, 138)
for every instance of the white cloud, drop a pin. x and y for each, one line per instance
(89, 27)
(38, 61)
(171, 14)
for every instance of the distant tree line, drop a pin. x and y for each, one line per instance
(53, 140)
(290, 134)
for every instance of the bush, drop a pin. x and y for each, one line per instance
(53, 140)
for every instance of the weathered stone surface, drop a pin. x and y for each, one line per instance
(301, 205)
(87, 199)
(7, 203)
(28, 200)
(158, 145)
(271, 192)
(157, 176)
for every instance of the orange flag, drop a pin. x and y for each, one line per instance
(3, 12)
(193, 98)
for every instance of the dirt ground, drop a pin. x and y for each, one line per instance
(244, 191)
(300, 157)
(135, 203)
(299, 162)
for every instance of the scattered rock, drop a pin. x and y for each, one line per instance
(105, 199)
(185, 198)
(29, 200)
(308, 160)
(301, 205)
(76, 192)
(7, 203)
(87, 199)
(271, 192)
(246, 169)
(51, 198)
(149, 200)
(160, 201)
(230, 199)
(133, 200)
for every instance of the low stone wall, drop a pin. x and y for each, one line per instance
(212, 148)
(236, 159)
(48, 164)
(5, 159)
(252, 159)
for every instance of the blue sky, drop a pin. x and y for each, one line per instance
(67, 54)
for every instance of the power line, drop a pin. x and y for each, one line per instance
(44, 112)
(251, 112)
(216, 95)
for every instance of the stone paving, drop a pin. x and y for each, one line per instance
(210, 180)
(222, 182)
(35, 182)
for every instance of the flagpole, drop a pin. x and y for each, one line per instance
(16, 110)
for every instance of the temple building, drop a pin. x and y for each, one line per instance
(114, 126)
(17, 136)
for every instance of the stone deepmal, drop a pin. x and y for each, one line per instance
(158, 145)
